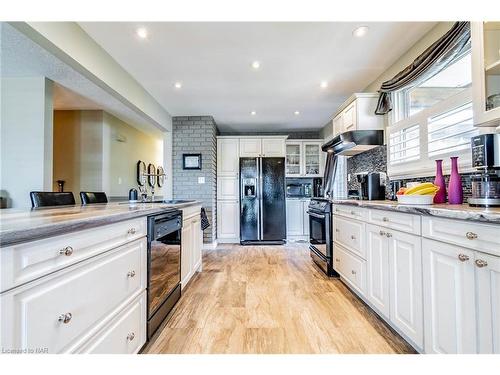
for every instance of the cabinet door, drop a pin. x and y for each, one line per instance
(273, 147)
(312, 159)
(305, 229)
(228, 187)
(377, 270)
(196, 244)
(337, 125)
(250, 147)
(228, 220)
(488, 302)
(228, 155)
(349, 117)
(186, 252)
(405, 270)
(449, 298)
(294, 217)
(293, 161)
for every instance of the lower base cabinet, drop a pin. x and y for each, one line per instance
(192, 243)
(228, 221)
(297, 219)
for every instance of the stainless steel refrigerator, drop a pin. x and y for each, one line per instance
(262, 201)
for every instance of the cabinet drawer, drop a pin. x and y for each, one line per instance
(482, 237)
(349, 211)
(28, 261)
(351, 268)
(91, 292)
(350, 234)
(125, 334)
(404, 222)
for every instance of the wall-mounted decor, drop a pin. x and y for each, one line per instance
(141, 171)
(191, 161)
(152, 175)
(161, 176)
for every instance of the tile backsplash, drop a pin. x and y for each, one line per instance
(375, 160)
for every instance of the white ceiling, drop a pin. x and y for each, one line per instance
(213, 62)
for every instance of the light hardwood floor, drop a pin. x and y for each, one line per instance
(270, 299)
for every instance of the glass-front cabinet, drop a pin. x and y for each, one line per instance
(486, 72)
(304, 158)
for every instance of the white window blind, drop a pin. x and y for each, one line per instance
(405, 145)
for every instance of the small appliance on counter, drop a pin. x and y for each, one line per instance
(485, 150)
(372, 185)
(299, 187)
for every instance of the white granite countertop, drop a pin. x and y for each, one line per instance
(18, 226)
(449, 211)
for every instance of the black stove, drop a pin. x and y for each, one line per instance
(320, 234)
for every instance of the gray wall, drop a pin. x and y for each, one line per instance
(193, 135)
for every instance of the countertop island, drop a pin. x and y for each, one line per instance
(458, 212)
(18, 225)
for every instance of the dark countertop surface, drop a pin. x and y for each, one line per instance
(23, 225)
(448, 211)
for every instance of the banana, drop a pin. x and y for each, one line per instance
(426, 191)
(414, 190)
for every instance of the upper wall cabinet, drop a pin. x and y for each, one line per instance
(486, 73)
(304, 158)
(272, 146)
(228, 151)
(358, 113)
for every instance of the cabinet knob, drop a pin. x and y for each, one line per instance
(68, 250)
(353, 237)
(337, 230)
(463, 257)
(131, 273)
(353, 272)
(471, 235)
(386, 219)
(481, 263)
(131, 336)
(388, 235)
(337, 259)
(382, 233)
(353, 213)
(65, 318)
(131, 231)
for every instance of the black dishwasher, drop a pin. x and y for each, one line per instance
(164, 266)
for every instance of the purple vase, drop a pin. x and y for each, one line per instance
(455, 190)
(440, 196)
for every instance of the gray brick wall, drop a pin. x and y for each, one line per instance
(193, 135)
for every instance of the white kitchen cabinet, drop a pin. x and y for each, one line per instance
(186, 252)
(192, 243)
(486, 72)
(304, 158)
(351, 268)
(250, 147)
(228, 154)
(377, 270)
(297, 219)
(228, 187)
(357, 113)
(228, 215)
(488, 302)
(449, 298)
(405, 282)
(273, 147)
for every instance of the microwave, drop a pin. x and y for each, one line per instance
(299, 188)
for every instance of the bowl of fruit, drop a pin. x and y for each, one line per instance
(418, 194)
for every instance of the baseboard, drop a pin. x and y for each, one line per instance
(210, 245)
(228, 240)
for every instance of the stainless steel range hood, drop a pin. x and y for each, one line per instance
(354, 142)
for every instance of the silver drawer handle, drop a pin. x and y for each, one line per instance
(337, 259)
(388, 235)
(471, 235)
(353, 213)
(481, 263)
(463, 257)
(131, 273)
(353, 272)
(353, 237)
(337, 230)
(68, 250)
(65, 318)
(131, 336)
(131, 231)
(385, 219)
(382, 233)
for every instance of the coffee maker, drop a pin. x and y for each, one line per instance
(486, 184)
(372, 185)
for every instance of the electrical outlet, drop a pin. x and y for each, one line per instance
(201, 180)
(119, 180)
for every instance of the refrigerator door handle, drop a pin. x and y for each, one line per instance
(261, 211)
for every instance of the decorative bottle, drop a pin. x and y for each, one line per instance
(440, 196)
(455, 190)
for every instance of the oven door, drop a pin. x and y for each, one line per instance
(317, 232)
(164, 268)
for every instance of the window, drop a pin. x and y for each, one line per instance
(432, 120)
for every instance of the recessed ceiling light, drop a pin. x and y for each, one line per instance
(253, 113)
(360, 31)
(296, 113)
(323, 84)
(256, 65)
(142, 32)
(178, 85)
